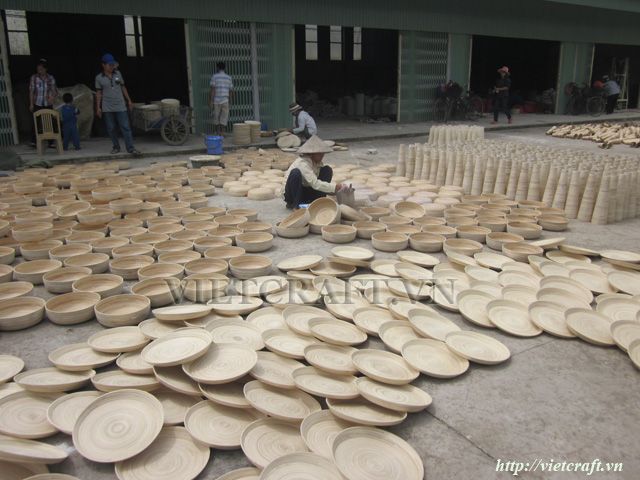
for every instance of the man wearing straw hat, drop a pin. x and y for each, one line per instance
(305, 125)
(307, 178)
(501, 95)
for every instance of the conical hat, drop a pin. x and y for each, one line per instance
(315, 145)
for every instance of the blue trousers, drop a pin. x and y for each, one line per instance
(295, 193)
(119, 119)
(70, 132)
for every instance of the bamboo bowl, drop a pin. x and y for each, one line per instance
(172, 246)
(297, 219)
(97, 262)
(202, 287)
(224, 253)
(426, 242)
(520, 251)
(245, 267)
(31, 232)
(527, 230)
(132, 249)
(250, 214)
(34, 270)
(159, 291)
(376, 212)
(339, 233)
(202, 244)
(444, 230)
(253, 242)
(389, 242)
(473, 232)
(63, 252)
(104, 284)
(292, 232)
(15, 289)
(149, 238)
(206, 266)
(127, 267)
(553, 223)
(161, 270)
(324, 211)
(7, 255)
(366, 229)
(409, 209)
(126, 205)
(71, 308)
(38, 250)
(181, 258)
(95, 216)
(21, 312)
(122, 310)
(84, 237)
(496, 240)
(230, 220)
(61, 280)
(462, 246)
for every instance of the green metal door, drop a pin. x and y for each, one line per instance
(8, 133)
(423, 66)
(575, 63)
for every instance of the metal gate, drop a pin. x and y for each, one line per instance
(423, 66)
(8, 132)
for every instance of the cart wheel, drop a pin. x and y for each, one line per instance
(174, 131)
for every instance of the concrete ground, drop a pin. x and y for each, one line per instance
(555, 399)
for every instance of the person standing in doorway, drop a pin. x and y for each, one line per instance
(612, 91)
(42, 92)
(220, 98)
(69, 114)
(113, 104)
(501, 95)
(304, 124)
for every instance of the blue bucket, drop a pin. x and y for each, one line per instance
(214, 144)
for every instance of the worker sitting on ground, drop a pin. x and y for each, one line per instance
(307, 178)
(305, 125)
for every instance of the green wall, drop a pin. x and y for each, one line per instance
(459, 63)
(575, 66)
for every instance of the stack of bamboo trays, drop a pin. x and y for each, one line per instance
(592, 187)
(445, 134)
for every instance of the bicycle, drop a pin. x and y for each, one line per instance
(596, 104)
(583, 99)
(469, 107)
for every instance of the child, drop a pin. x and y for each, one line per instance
(69, 122)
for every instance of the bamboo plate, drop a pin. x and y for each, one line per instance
(21, 312)
(64, 411)
(578, 250)
(343, 306)
(246, 473)
(287, 405)
(275, 370)
(445, 293)
(573, 287)
(363, 281)
(363, 412)
(401, 398)
(153, 328)
(516, 277)
(333, 269)
(385, 267)
(363, 453)
(320, 429)
(357, 253)
(10, 366)
(132, 362)
(175, 379)
(590, 326)
(634, 353)
(175, 406)
(218, 426)
(265, 440)
(548, 243)
(512, 317)
(549, 268)
(117, 340)
(297, 318)
(370, 319)
(22, 450)
(409, 271)
(331, 358)
(593, 280)
(564, 257)
(473, 307)
(481, 274)
(267, 318)
(301, 465)
(52, 379)
(520, 294)
(119, 380)
(176, 313)
(24, 415)
(287, 343)
(15, 289)
(619, 308)
(303, 295)
(604, 296)
(477, 347)
(181, 346)
(461, 259)
(79, 357)
(433, 358)
(562, 297)
(418, 258)
(324, 384)
(118, 426)
(302, 262)
(618, 263)
(625, 332)
(234, 331)
(20, 471)
(627, 282)
(173, 454)
(429, 323)
(384, 366)
(621, 255)
(259, 286)
(336, 332)
(520, 251)
(396, 333)
(227, 394)
(222, 363)
(235, 305)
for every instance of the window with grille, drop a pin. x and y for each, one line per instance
(17, 32)
(133, 36)
(311, 42)
(357, 43)
(335, 42)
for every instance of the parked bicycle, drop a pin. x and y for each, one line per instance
(583, 99)
(451, 105)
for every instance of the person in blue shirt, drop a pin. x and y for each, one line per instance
(69, 114)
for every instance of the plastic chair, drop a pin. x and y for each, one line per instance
(47, 126)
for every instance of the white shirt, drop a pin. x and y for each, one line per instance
(611, 87)
(223, 84)
(310, 171)
(306, 120)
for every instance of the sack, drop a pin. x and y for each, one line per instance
(346, 196)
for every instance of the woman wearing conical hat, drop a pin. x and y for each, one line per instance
(307, 178)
